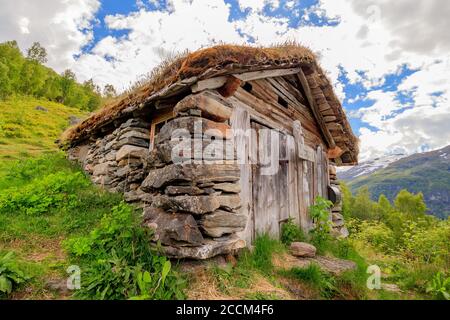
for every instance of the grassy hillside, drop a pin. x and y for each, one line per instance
(428, 173)
(26, 131)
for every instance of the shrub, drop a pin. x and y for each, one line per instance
(38, 197)
(119, 263)
(290, 232)
(11, 274)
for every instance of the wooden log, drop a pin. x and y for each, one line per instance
(230, 87)
(212, 106)
(218, 82)
(309, 95)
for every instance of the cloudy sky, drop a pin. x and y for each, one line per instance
(389, 60)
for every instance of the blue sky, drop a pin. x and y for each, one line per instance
(297, 15)
(390, 69)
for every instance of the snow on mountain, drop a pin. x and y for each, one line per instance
(368, 167)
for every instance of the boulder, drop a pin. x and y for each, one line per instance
(303, 250)
(222, 222)
(172, 229)
(131, 152)
(41, 108)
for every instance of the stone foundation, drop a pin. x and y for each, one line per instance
(192, 205)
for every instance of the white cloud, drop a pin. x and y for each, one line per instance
(62, 26)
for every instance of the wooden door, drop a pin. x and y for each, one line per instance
(270, 181)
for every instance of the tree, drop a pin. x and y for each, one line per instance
(410, 204)
(109, 91)
(37, 53)
(67, 84)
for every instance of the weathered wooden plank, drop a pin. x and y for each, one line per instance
(327, 135)
(218, 82)
(266, 74)
(240, 121)
(265, 206)
(209, 84)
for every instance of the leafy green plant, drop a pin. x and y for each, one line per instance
(11, 275)
(118, 262)
(320, 215)
(439, 286)
(290, 232)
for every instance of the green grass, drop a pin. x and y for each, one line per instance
(36, 237)
(25, 131)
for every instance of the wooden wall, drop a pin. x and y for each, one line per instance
(269, 200)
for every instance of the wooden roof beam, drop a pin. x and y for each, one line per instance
(316, 112)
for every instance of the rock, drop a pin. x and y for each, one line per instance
(193, 126)
(101, 169)
(132, 141)
(73, 120)
(332, 265)
(139, 134)
(221, 222)
(180, 152)
(183, 190)
(190, 204)
(41, 108)
(303, 250)
(173, 229)
(212, 106)
(58, 285)
(227, 187)
(229, 202)
(133, 122)
(191, 173)
(131, 152)
(209, 249)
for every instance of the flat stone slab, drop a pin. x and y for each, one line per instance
(209, 249)
(332, 265)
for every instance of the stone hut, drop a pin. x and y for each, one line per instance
(220, 145)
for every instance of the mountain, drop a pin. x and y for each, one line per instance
(428, 173)
(368, 167)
